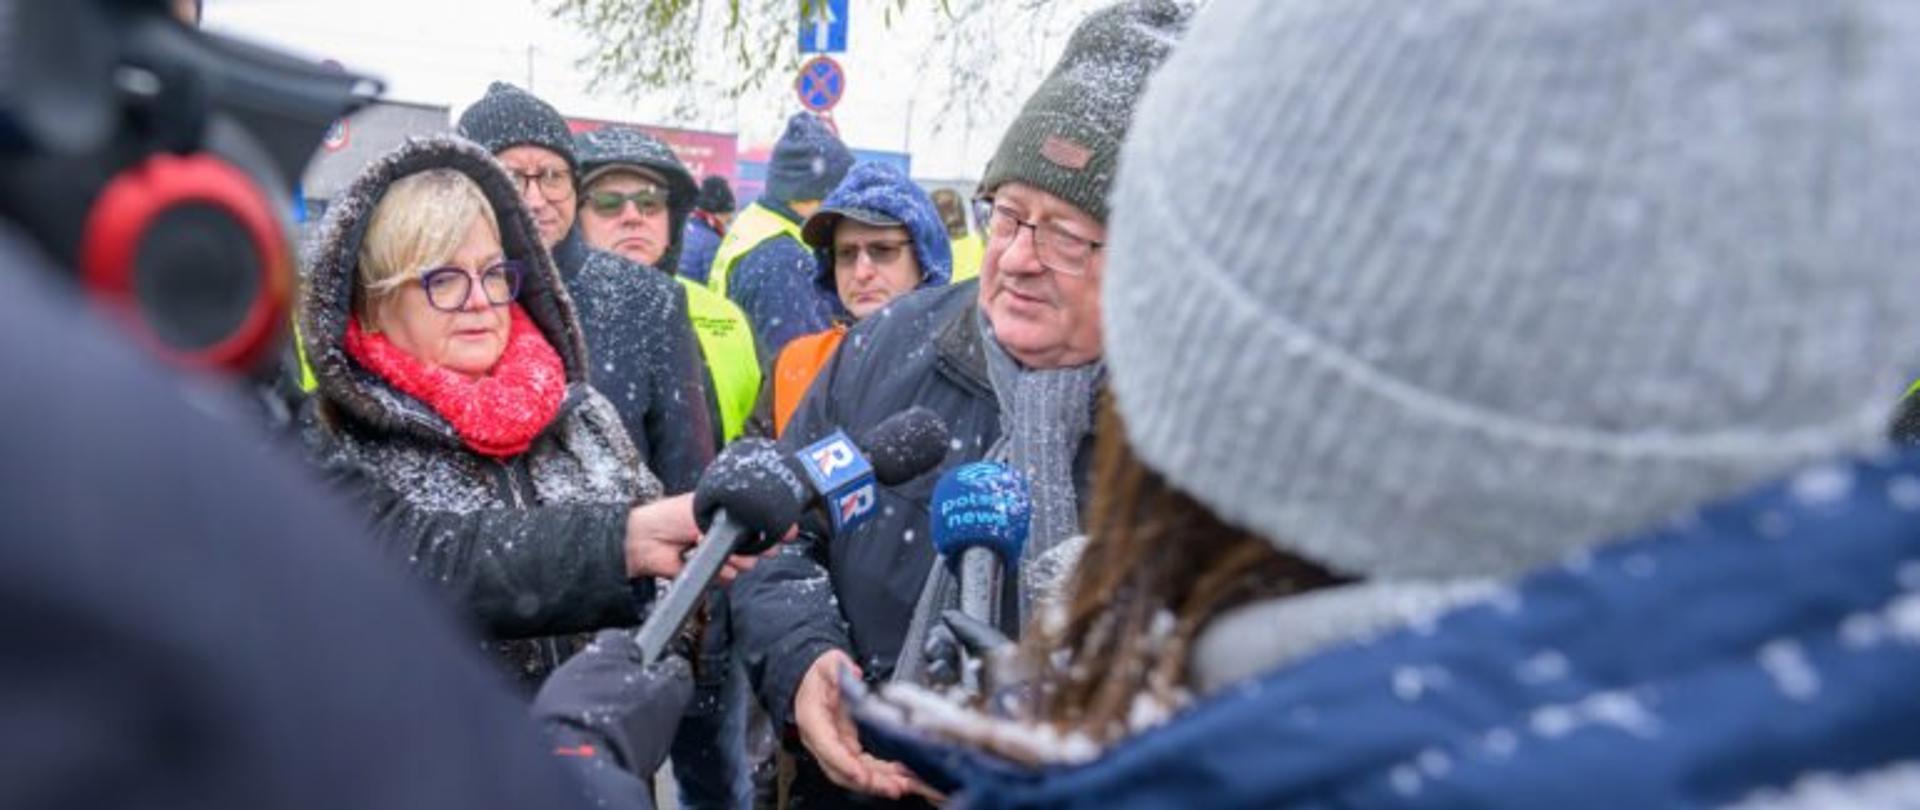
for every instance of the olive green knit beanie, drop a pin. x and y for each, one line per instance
(1067, 137)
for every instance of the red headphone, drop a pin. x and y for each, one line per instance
(154, 159)
(190, 255)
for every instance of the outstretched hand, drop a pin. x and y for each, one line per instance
(827, 730)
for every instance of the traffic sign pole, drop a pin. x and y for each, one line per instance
(823, 26)
(821, 84)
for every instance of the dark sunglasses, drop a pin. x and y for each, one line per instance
(609, 203)
(448, 288)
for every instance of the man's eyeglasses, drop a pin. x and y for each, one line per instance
(554, 184)
(448, 287)
(881, 254)
(1057, 250)
(647, 201)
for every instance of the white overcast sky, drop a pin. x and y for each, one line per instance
(446, 51)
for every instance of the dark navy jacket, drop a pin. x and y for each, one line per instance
(857, 592)
(1768, 643)
(698, 243)
(773, 284)
(644, 358)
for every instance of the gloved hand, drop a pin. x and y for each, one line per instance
(605, 702)
(975, 656)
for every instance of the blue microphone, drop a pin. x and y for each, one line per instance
(845, 473)
(980, 515)
(843, 477)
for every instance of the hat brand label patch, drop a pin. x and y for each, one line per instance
(1065, 153)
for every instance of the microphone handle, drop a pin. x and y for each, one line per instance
(683, 595)
(980, 571)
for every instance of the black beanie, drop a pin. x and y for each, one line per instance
(716, 197)
(508, 116)
(1067, 138)
(808, 161)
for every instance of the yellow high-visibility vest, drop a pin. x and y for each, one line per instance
(967, 252)
(307, 382)
(726, 342)
(752, 226)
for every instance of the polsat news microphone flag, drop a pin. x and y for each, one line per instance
(844, 478)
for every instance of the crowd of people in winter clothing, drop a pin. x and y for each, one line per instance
(1422, 403)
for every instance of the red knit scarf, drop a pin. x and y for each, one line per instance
(497, 415)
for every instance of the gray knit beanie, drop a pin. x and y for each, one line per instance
(1068, 135)
(1452, 287)
(807, 161)
(508, 116)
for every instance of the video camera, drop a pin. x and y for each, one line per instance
(156, 162)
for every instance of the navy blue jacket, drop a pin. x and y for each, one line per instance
(192, 622)
(644, 357)
(923, 349)
(1740, 649)
(698, 244)
(773, 284)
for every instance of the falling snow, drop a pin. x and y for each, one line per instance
(1904, 492)
(1823, 485)
(1891, 787)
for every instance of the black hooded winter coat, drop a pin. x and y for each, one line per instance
(646, 359)
(530, 546)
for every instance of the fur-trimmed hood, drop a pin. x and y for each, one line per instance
(332, 261)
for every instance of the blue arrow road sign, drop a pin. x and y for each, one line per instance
(821, 84)
(823, 26)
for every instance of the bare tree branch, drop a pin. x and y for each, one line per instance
(977, 56)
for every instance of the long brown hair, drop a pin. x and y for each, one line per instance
(1157, 568)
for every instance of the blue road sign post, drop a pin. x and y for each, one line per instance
(821, 84)
(823, 26)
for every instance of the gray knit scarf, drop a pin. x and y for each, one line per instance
(1045, 414)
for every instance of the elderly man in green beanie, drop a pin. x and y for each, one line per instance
(1011, 361)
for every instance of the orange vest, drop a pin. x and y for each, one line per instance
(795, 369)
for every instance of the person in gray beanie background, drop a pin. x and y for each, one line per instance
(1011, 362)
(1504, 281)
(532, 141)
(762, 264)
(646, 358)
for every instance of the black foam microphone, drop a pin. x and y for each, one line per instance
(753, 493)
